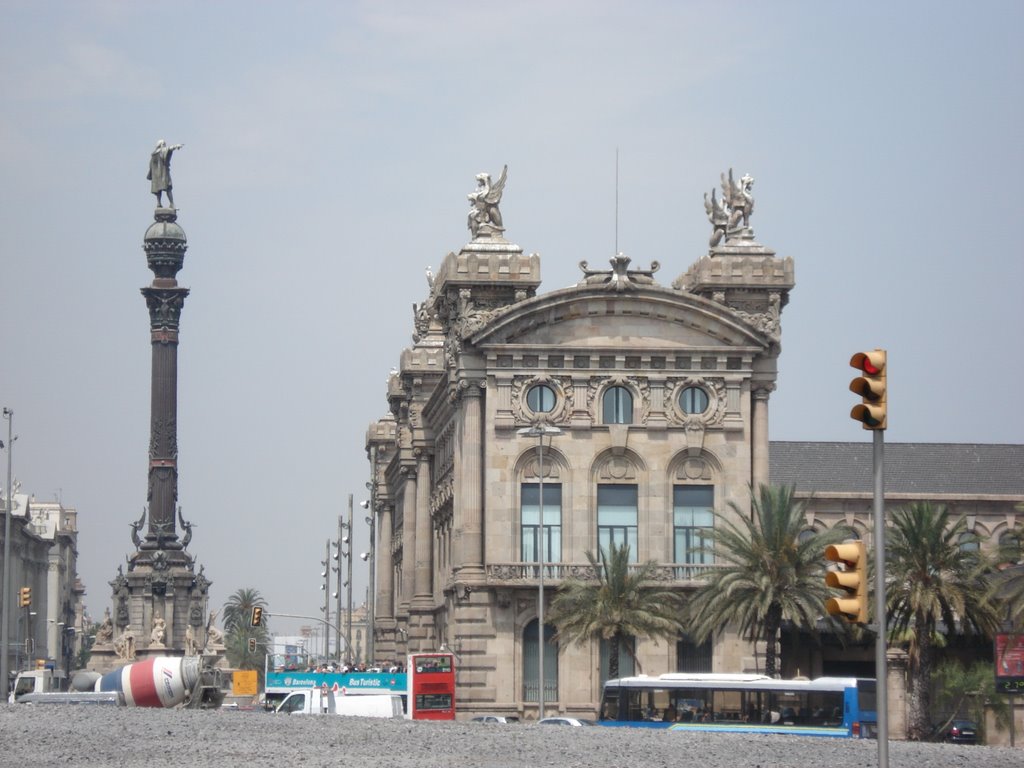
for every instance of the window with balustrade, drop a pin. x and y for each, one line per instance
(616, 518)
(530, 519)
(693, 518)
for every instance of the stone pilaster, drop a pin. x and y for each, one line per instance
(470, 498)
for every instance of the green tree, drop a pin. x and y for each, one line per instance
(619, 604)
(969, 689)
(936, 573)
(238, 630)
(770, 569)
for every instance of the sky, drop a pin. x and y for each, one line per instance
(328, 151)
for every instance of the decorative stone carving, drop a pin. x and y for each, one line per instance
(214, 637)
(186, 526)
(159, 632)
(484, 218)
(105, 633)
(738, 198)
(769, 322)
(716, 391)
(619, 278)
(124, 646)
(718, 215)
(136, 539)
(564, 395)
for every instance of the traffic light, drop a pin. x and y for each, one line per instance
(25, 597)
(870, 385)
(257, 616)
(853, 580)
(252, 645)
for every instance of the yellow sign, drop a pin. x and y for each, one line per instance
(245, 682)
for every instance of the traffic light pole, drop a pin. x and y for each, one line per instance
(881, 668)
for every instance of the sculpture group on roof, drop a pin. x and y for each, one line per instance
(735, 205)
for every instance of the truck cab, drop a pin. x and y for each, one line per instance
(38, 681)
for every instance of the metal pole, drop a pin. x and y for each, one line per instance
(5, 629)
(327, 599)
(337, 594)
(540, 582)
(349, 658)
(371, 633)
(881, 670)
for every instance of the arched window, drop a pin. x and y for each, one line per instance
(618, 406)
(693, 400)
(969, 542)
(540, 398)
(531, 678)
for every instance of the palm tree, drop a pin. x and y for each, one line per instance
(1010, 579)
(239, 631)
(770, 571)
(238, 608)
(617, 606)
(936, 573)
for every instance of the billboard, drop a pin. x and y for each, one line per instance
(1010, 663)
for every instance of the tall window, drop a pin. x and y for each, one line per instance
(627, 649)
(530, 522)
(693, 512)
(618, 406)
(691, 657)
(616, 517)
(531, 678)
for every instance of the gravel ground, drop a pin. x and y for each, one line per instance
(56, 735)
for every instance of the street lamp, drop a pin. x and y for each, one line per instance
(540, 431)
(344, 552)
(5, 619)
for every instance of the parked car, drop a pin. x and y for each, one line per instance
(961, 732)
(503, 719)
(566, 721)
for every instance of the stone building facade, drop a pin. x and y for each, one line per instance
(635, 410)
(659, 394)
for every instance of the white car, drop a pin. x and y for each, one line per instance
(578, 721)
(494, 719)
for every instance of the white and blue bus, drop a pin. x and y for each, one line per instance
(842, 707)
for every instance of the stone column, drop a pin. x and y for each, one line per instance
(165, 247)
(424, 590)
(896, 686)
(385, 597)
(470, 510)
(409, 513)
(759, 394)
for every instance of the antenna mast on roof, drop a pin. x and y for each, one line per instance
(616, 200)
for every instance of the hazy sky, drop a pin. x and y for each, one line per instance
(329, 148)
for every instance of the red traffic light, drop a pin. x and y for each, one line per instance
(871, 387)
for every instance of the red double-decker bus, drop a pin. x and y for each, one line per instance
(431, 679)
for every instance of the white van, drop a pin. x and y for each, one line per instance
(315, 701)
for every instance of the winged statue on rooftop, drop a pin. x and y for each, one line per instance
(739, 198)
(484, 217)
